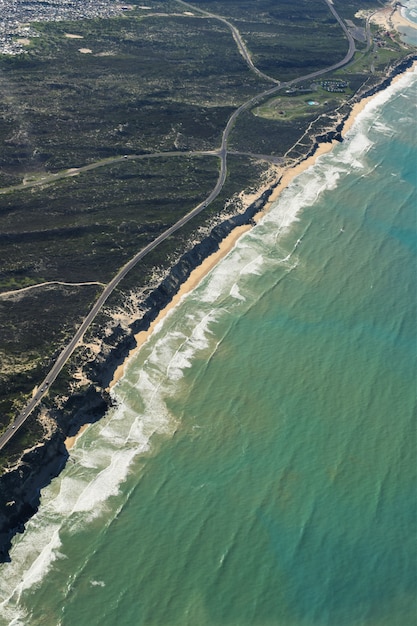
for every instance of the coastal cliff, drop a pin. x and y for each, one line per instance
(20, 487)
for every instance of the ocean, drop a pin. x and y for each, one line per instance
(409, 11)
(259, 467)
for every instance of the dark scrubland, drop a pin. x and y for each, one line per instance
(154, 81)
(149, 85)
(84, 227)
(347, 9)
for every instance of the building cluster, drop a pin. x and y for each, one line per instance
(17, 15)
(334, 86)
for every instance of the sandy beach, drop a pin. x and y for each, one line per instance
(398, 19)
(192, 281)
(285, 177)
(70, 441)
(391, 17)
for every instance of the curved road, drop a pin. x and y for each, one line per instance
(237, 37)
(222, 154)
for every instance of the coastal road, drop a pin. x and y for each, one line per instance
(222, 155)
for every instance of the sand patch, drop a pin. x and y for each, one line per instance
(398, 19)
(70, 441)
(85, 50)
(72, 36)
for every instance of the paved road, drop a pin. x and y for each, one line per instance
(237, 37)
(222, 154)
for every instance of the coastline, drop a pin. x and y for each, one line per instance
(392, 17)
(47, 460)
(192, 281)
(285, 177)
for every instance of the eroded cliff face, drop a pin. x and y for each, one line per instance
(20, 487)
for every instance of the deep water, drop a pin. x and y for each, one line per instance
(259, 468)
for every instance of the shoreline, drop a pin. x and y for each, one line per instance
(190, 283)
(392, 17)
(285, 178)
(22, 485)
(69, 442)
(225, 246)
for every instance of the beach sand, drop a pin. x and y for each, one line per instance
(284, 179)
(192, 281)
(391, 17)
(287, 175)
(70, 441)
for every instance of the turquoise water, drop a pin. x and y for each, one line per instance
(259, 468)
